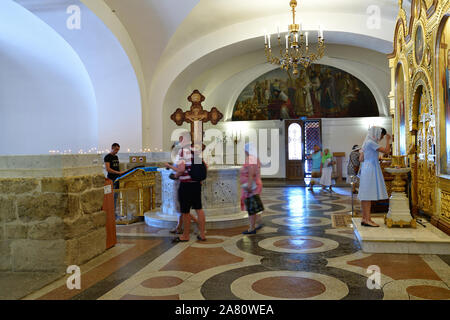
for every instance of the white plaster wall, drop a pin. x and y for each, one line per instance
(47, 100)
(114, 80)
(221, 83)
(346, 28)
(339, 135)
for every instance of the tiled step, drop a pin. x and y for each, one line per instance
(422, 240)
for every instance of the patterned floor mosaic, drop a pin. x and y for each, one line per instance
(297, 255)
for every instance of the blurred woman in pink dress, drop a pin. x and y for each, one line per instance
(251, 187)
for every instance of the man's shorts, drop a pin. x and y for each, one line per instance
(190, 196)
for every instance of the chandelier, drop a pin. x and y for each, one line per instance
(297, 50)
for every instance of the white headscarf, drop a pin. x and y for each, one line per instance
(373, 134)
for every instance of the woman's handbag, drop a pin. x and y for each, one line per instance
(253, 204)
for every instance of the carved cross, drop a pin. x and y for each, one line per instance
(196, 116)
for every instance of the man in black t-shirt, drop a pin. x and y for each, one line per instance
(112, 162)
(112, 167)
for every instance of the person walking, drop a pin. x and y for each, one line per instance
(371, 181)
(353, 166)
(327, 169)
(316, 170)
(251, 187)
(176, 185)
(190, 191)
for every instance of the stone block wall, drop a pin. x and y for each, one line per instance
(47, 223)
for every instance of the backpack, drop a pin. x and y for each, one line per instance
(198, 170)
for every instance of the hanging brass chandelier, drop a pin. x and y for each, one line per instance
(297, 52)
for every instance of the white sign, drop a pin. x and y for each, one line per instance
(107, 189)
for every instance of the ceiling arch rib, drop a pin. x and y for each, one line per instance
(223, 81)
(240, 71)
(171, 67)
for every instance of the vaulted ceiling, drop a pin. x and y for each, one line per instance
(175, 44)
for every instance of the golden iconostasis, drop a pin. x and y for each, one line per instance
(420, 104)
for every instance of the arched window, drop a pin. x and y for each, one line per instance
(295, 142)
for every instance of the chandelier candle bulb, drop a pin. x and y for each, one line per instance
(278, 30)
(306, 34)
(269, 40)
(287, 41)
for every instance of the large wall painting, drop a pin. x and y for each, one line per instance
(319, 92)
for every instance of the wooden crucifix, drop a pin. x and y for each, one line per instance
(196, 116)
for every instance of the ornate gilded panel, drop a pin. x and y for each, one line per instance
(421, 47)
(445, 206)
(426, 167)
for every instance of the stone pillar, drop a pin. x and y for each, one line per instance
(50, 211)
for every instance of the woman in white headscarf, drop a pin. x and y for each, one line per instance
(371, 185)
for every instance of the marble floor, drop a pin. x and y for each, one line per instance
(298, 254)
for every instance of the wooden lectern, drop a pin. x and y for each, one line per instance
(108, 207)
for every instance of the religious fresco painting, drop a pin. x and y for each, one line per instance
(400, 85)
(444, 66)
(318, 92)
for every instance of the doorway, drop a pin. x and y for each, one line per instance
(294, 138)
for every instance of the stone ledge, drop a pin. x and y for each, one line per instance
(40, 166)
(422, 240)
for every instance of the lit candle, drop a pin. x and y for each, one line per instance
(278, 29)
(296, 37)
(306, 34)
(265, 38)
(287, 41)
(268, 36)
